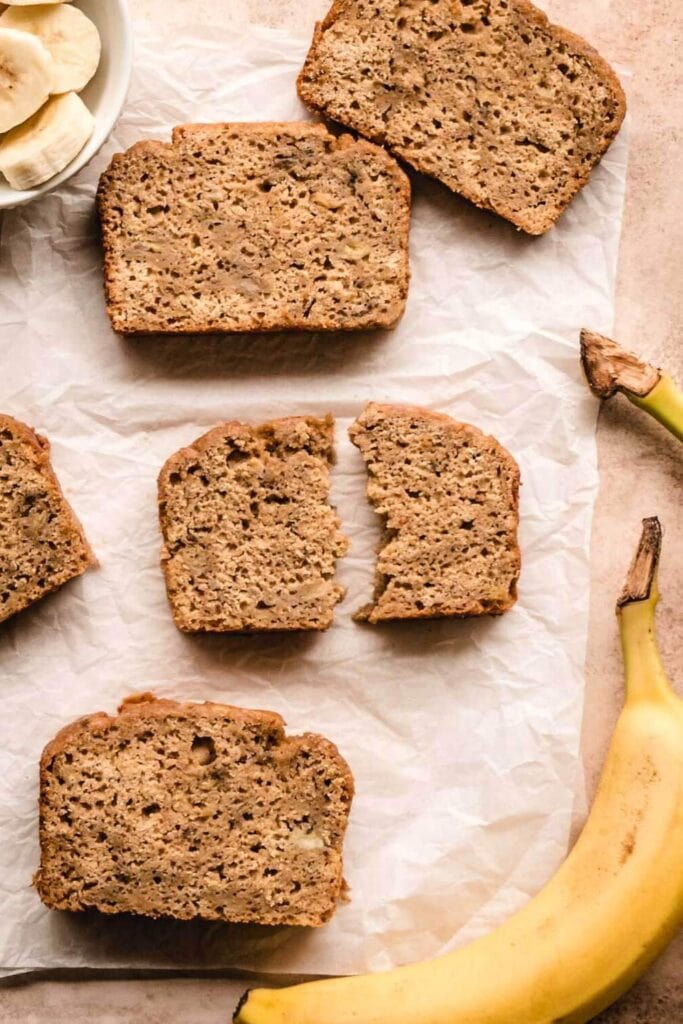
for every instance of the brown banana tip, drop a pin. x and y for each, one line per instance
(643, 570)
(610, 368)
(586, 338)
(239, 1006)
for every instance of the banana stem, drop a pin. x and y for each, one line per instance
(645, 675)
(665, 403)
(609, 368)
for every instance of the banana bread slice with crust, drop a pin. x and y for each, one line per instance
(487, 96)
(192, 811)
(254, 227)
(250, 541)
(42, 544)
(449, 498)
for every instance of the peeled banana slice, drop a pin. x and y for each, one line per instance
(47, 142)
(25, 76)
(72, 40)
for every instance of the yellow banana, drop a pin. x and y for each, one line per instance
(607, 913)
(610, 368)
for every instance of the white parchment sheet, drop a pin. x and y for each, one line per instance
(462, 736)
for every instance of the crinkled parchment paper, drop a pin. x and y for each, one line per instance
(463, 736)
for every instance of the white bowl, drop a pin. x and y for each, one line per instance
(104, 95)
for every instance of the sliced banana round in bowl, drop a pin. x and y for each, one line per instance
(41, 147)
(25, 76)
(54, 49)
(70, 37)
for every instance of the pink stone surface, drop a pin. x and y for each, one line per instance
(641, 472)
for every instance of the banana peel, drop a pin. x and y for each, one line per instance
(610, 368)
(601, 920)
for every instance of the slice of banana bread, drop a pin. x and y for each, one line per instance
(250, 540)
(192, 810)
(449, 498)
(254, 227)
(487, 96)
(42, 544)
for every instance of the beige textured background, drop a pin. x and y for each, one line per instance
(641, 469)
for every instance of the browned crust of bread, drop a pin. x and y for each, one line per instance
(396, 409)
(146, 705)
(582, 47)
(475, 608)
(39, 448)
(257, 325)
(238, 429)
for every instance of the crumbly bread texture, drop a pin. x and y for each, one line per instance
(42, 544)
(254, 227)
(192, 810)
(449, 498)
(250, 540)
(503, 107)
